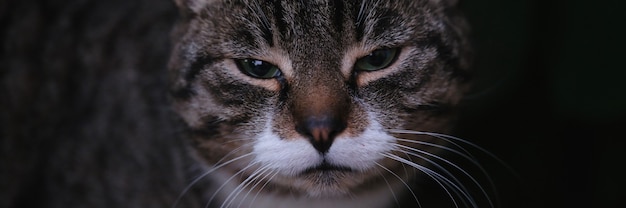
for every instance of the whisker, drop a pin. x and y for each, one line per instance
(242, 186)
(448, 138)
(464, 152)
(402, 181)
(465, 155)
(237, 140)
(226, 182)
(233, 152)
(237, 190)
(457, 188)
(422, 169)
(200, 177)
(406, 172)
(260, 15)
(468, 156)
(393, 193)
(469, 176)
(437, 165)
(261, 189)
(263, 175)
(436, 177)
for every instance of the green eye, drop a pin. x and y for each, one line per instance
(377, 60)
(258, 69)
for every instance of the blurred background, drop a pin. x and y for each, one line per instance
(549, 97)
(550, 100)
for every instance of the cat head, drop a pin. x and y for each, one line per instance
(313, 92)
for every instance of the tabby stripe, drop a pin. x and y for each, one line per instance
(385, 18)
(245, 36)
(267, 35)
(434, 39)
(266, 28)
(210, 128)
(432, 108)
(230, 94)
(185, 92)
(338, 16)
(359, 20)
(445, 51)
(280, 20)
(197, 66)
(213, 126)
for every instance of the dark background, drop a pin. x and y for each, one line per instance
(550, 99)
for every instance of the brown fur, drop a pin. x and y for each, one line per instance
(319, 96)
(94, 115)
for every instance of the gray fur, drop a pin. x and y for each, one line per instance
(91, 107)
(315, 37)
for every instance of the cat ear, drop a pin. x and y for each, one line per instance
(192, 6)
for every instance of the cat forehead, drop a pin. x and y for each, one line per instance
(251, 27)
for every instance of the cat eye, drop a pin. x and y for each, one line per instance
(258, 69)
(377, 60)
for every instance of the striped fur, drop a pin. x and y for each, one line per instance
(251, 128)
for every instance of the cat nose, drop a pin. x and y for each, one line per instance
(321, 131)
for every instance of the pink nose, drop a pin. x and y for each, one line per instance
(321, 131)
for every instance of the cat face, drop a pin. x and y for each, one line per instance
(309, 97)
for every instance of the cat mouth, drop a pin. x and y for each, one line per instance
(326, 167)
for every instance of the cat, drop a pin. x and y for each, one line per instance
(254, 103)
(319, 103)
